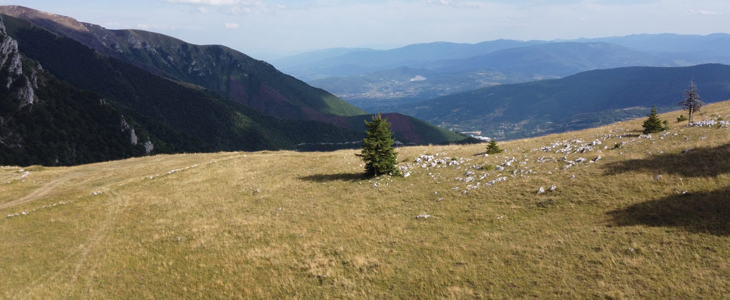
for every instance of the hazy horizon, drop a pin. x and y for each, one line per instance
(269, 29)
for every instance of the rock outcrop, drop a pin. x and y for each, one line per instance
(12, 63)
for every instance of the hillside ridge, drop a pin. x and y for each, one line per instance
(220, 69)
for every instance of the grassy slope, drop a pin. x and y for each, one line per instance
(305, 225)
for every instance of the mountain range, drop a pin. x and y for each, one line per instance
(201, 98)
(426, 71)
(346, 62)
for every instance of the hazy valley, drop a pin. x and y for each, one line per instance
(420, 75)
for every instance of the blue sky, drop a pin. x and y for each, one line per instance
(267, 28)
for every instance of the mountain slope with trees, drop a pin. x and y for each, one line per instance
(46, 121)
(172, 117)
(222, 70)
(583, 100)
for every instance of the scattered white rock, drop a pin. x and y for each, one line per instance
(709, 123)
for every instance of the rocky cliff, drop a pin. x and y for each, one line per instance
(11, 66)
(46, 121)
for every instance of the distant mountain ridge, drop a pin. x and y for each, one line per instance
(552, 59)
(367, 61)
(375, 80)
(383, 90)
(669, 42)
(419, 55)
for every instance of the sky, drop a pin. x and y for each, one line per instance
(267, 29)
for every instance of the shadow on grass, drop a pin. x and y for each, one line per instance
(707, 212)
(335, 177)
(703, 162)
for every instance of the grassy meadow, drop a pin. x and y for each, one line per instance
(650, 219)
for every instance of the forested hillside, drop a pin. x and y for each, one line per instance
(588, 99)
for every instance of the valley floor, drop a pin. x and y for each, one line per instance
(648, 219)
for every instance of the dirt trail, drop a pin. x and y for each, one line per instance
(89, 171)
(43, 190)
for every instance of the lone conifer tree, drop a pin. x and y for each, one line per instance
(493, 148)
(653, 123)
(692, 101)
(378, 153)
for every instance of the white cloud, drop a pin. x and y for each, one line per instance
(455, 4)
(441, 2)
(158, 27)
(202, 10)
(207, 2)
(113, 24)
(704, 12)
(232, 25)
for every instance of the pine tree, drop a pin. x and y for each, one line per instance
(378, 153)
(653, 123)
(692, 101)
(493, 148)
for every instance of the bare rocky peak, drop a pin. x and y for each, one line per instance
(92, 35)
(120, 43)
(26, 13)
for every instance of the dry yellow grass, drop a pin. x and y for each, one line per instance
(307, 225)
